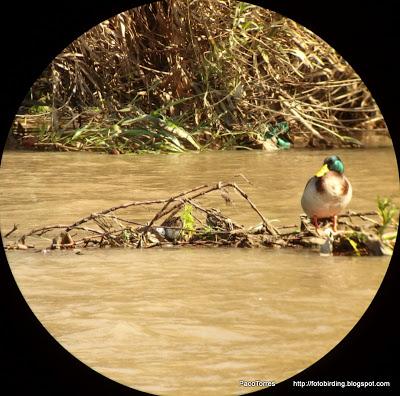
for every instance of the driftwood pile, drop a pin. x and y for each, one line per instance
(182, 220)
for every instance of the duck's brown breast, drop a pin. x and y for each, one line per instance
(332, 183)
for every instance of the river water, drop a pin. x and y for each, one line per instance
(190, 321)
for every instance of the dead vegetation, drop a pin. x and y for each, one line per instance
(183, 219)
(226, 71)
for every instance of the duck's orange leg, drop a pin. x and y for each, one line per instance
(334, 219)
(315, 221)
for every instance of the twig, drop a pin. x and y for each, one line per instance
(15, 227)
(210, 212)
(362, 215)
(162, 213)
(57, 145)
(244, 178)
(125, 220)
(299, 118)
(271, 229)
(358, 214)
(286, 226)
(113, 209)
(207, 189)
(42, 230)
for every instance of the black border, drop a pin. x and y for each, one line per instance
(31, 361)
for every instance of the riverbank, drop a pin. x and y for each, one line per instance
(218, 76)
(91, 131)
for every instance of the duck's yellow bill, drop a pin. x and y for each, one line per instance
(322, 171)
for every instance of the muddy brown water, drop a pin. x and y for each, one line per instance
(191, 321)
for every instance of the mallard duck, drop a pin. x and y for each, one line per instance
(327, 193)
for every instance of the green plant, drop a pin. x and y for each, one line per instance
(39, 109)
(126, 235)
(354, 243)
(188, 221)
(387, 211)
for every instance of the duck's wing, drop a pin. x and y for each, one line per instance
(308, 183)
(346, 186)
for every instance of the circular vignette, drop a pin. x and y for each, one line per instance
(358, 355)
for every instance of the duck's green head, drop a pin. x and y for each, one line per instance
(332, 163)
